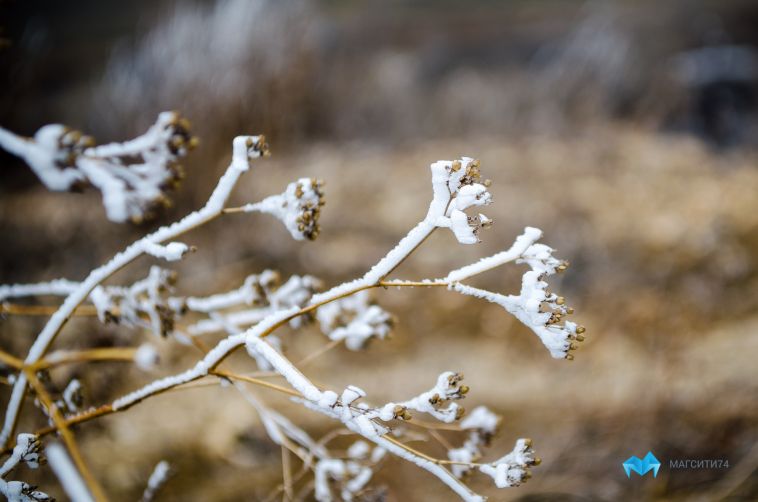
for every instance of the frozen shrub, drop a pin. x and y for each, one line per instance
(250, 314)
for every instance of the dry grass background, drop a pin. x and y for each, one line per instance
(661, 229)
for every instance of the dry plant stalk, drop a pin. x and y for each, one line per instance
(133, 177)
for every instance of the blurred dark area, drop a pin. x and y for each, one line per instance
(626, 130)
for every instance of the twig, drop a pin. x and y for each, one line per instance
(67, 436)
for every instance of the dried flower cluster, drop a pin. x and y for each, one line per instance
(299, 207)
(249, 315)
(355, 320)
(132, 176)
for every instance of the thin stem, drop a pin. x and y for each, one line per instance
(262, 383)
(96, 354)
(10, 360)
(44, 310)
(210, 211)
(68, 437)
(287, 474)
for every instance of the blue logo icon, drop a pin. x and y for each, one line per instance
(642, 466)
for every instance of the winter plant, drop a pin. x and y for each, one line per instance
(133, 178)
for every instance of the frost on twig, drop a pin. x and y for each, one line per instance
(355, 320)
(299, 207)
(351, 474)
(437, 402)
(72, 397)
(264, 292)
(463, 182)
(27, 450)
(540, 310)
(250, 314)
(64, 469)
(133, 176)
(146, 357)
(481, 425)
(156, 481)
(145, 304)
(512, 469)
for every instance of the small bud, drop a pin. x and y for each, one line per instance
(580, 330)
(399, 411)
(456, 166)
(177, 141)
(460, 412)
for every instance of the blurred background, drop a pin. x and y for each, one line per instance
(626, 130)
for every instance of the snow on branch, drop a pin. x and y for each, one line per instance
(540, 310)
(244, 150)
(70, 479)
(437, 402)
(27, 450)
(157, 479)
(250, 313)
(145, 304)
(299, 207)
(512, 469)
(355, 320)
(133, 176)
(352, 473)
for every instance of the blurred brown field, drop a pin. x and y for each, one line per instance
(645, 181)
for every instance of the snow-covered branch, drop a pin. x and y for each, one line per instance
(27, 451)
(132, 176)
(244, 150)
(249, 314)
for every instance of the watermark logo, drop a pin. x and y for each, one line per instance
(642, 465)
